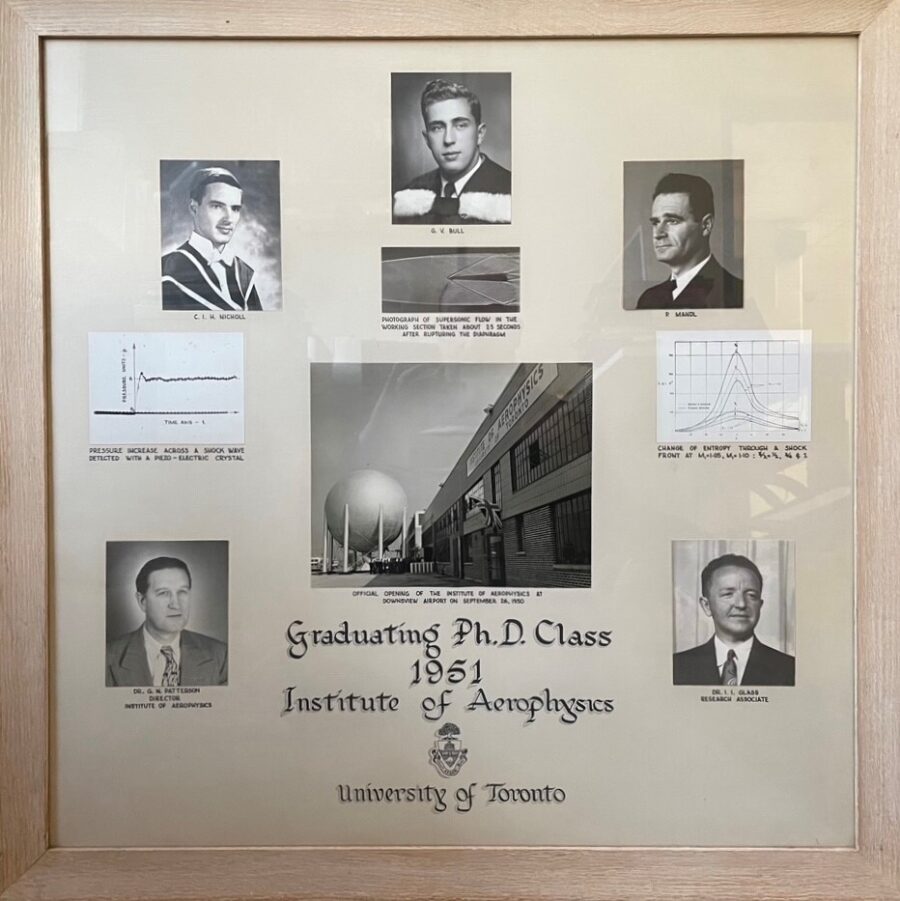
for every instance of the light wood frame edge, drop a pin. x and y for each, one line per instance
(871, 871)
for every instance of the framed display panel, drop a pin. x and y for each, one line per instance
(869, 870)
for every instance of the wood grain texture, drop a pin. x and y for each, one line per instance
(23, 469)
(466, 18)
(871, 873)
(878, 421)
(436, 875)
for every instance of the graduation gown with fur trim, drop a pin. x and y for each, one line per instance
(189, 283)
(486, 199)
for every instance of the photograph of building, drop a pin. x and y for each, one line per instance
(451, 474)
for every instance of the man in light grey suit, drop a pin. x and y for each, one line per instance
(162, 652)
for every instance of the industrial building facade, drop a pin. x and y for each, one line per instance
(515, 510)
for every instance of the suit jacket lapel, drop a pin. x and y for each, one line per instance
(710, 667)
(133, 661)
(755, 671)
(697, 291)
(709, 285)
(195, 660)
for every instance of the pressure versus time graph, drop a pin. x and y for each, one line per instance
(166, 388)
(740, 386)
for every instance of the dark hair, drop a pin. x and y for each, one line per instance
(438, 89)
(698, 190)
(156, 564)
(204, 177)
(727, 560)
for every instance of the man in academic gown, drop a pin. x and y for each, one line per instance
(467, 187)
(204, 273)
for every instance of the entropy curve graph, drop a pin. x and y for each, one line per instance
(166, 387)
(734, 386)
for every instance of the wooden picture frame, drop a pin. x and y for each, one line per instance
(29, 869)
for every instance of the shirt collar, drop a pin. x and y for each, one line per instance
(460, 183)
(154, 647)
(741, 652)
(683, 280)
(205, 248)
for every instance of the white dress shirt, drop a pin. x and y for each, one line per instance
(460, 183)
(217, 259)
(683, 280)
(741, 651)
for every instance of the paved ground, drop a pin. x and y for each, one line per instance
(397, 580)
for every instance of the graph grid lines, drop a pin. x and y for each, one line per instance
(734, 387)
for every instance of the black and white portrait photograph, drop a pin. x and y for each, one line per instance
(451, 138)
(451, 474)
(450, 280)
(684, 235)
(734, 612)
(166, 613)
(221, 235)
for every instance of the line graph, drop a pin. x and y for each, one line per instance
(737, 386)
(142, 378)
(163, 387)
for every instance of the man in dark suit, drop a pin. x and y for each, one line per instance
(204, 273)
(682, 217)
(467, 187)
(731, 588)
(162, 652)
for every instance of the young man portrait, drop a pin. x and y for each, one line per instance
(224, 222)
(468, 186)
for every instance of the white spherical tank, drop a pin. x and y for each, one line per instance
(366, 491)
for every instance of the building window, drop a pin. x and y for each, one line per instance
(572, 527)
(473, 501)
(561, 436)
(495, 486)
(520, 534)
(467, 548)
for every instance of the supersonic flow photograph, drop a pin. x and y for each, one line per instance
(451, 474)
(449, 280)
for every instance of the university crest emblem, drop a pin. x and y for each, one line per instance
(447, 754)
